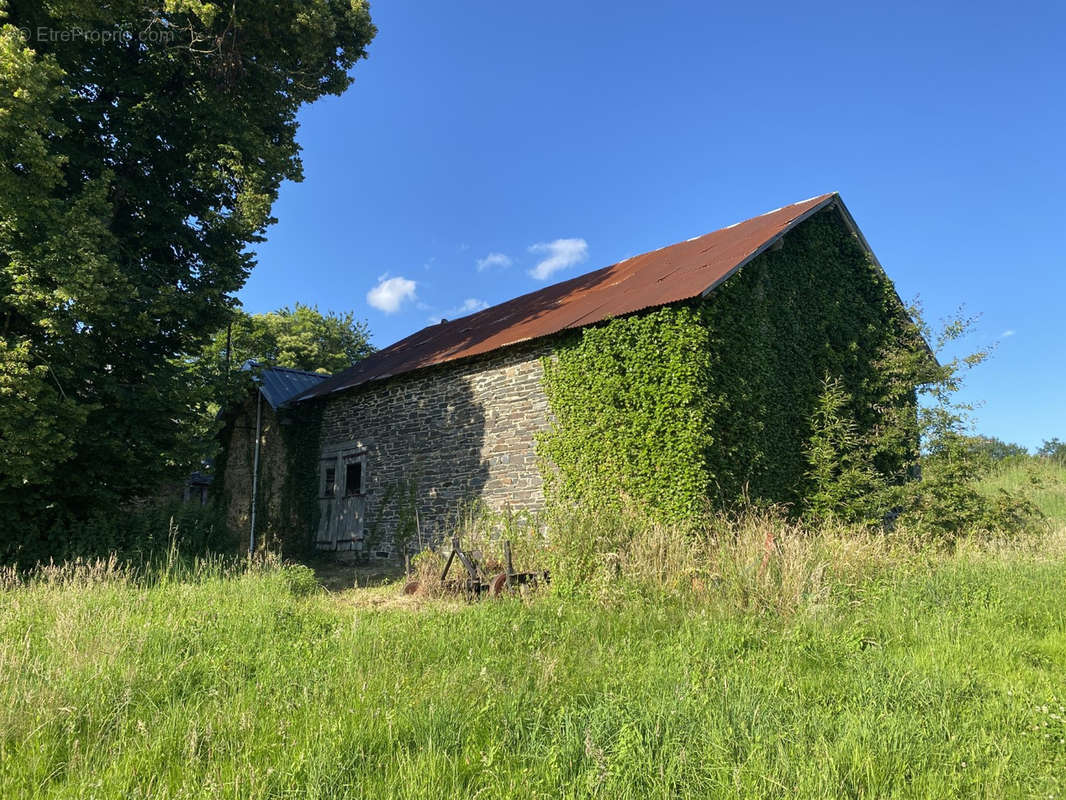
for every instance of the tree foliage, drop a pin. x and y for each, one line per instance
(1055, 449)
(942, 499)
(143, 145)
(301, 338)
(993, 449)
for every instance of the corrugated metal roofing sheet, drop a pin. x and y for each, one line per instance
(281, 384)
(669, 275)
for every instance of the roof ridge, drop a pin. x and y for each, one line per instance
(448, 322)
(669, 274)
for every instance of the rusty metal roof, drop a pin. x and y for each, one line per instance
(669, 275)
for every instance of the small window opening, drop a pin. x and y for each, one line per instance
(353, 478)
(330, 484)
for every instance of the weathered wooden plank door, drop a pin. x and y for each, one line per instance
(351, 505)
(341, 500)
(327, 491)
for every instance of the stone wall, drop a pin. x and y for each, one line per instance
(461, 432)
(239, 456)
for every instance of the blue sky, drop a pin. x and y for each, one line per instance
(487, 149)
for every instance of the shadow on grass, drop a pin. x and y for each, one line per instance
(337, 577)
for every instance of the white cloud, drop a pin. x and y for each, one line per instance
(493, 260)
(391, 293)
(1006, 333)
(561, 253)
(469, 306)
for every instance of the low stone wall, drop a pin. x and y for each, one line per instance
(461, 432)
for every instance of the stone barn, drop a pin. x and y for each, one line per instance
(460, 412)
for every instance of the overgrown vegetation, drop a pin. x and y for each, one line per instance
(632, 419)
(1041, 481)
(801, 382)
(482, 534)
(135, 535)
(140, 164)
(714, 400)
(941, 497)
(766, 659)
(293, 532)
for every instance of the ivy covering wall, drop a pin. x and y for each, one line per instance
(713, 399)
(297, 519)
(287, 491)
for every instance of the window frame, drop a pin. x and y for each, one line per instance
(347, 461)
(339, 459)
(324, 466)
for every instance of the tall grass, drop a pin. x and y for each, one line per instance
(752, 561)
(763, 560)
(941, 679)
(759, 659)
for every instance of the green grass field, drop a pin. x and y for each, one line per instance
(1043, 481)
(931, 675)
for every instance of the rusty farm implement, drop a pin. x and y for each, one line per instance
(474, 581)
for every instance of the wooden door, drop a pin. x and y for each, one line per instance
(341, 500)
(351, 502)
(327, 495)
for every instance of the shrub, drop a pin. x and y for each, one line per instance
(992, 450)
(948, 501)
(936, 495)
(842, 475)
(131, 534)
(300, 580)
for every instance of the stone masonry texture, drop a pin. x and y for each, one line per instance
(237, 471)
(462, 432)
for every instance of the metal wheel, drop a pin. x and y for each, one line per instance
(498, 585)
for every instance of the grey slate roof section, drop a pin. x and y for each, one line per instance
(281, 384)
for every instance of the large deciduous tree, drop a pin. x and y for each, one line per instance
(143, 143)
(301, 337)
